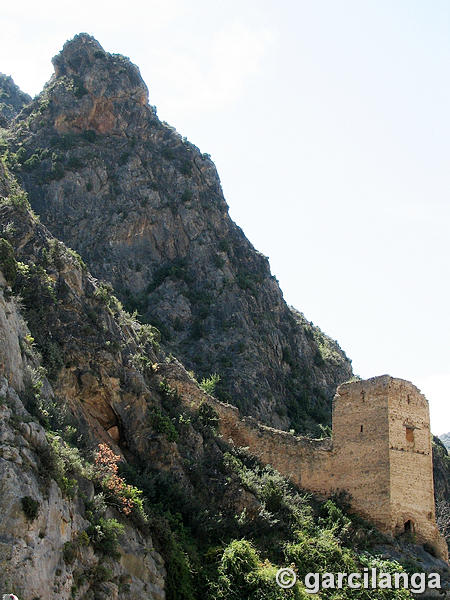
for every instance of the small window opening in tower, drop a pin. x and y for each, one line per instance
(409, 526)
(362, 428)
(409, 434)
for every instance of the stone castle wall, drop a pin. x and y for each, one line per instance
(380, 451)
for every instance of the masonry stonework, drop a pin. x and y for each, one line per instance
(380, 452)
(382, 457)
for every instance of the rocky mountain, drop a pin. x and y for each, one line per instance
(445, 439)
(115, 480)
(145, 210)
(12, 100)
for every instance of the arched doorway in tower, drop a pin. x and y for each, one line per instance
(409, 526)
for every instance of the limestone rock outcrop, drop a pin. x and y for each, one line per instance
(39, 524)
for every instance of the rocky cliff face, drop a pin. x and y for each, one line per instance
(441, 465)
(45, 551)
(145, 210)
(12, 100)
(54, 516)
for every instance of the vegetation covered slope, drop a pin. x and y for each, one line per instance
(145, 210)
(111, 486)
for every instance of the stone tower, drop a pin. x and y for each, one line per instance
(383, 457)
(380, 452)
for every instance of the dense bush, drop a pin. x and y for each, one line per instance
(72, 547)
(186, 196)
(89, 135)
(208, 384)
(179, 584)
(147, 334)
(125, 497)
(208, 417)
(242, 574)
(104, 535)
(176, 269)
(162, 424)
(8, 264)
(319, 553)
(30, 507)
(63, 463)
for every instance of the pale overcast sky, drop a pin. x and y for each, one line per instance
(329, 125)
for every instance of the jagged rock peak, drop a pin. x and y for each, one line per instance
(83, 56)
(93, 89)
(77, 54)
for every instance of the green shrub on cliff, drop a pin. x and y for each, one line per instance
(242, 574)
(8, 264)
(30, 507)
(162, 424)
(104, 535)
(208, 384)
